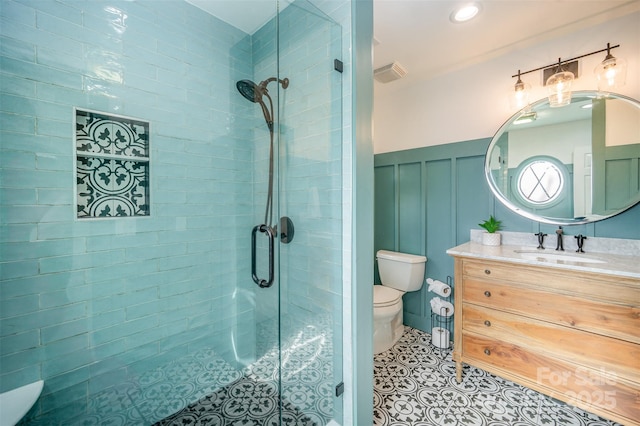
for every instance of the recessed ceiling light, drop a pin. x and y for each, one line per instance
(465, 12)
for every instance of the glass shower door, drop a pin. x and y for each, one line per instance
(310, 197)
(296, 240)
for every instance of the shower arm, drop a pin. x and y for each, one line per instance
(284, 83)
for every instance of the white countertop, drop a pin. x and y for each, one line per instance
(613, 264)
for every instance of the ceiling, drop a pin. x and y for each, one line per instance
(419, 35)
(247, 15)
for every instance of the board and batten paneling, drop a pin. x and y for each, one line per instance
(428, 199)
(423, 199)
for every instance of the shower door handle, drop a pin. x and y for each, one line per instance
(266, 229)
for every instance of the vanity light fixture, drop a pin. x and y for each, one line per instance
(520, 96)
(559, 87)
(610, 73)
(465, 12)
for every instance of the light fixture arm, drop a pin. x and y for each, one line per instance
(559, 68)
(519, 83)
(609, 55)
(559, 64)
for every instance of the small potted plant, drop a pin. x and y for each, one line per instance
(491, 237)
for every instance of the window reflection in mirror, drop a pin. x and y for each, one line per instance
(540, 182)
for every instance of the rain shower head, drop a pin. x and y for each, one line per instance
(254, 92)
(250, 90)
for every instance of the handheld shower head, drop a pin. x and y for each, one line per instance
(255, 93)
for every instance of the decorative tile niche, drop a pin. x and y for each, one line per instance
(112, 165)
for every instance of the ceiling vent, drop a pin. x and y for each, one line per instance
(388, 73)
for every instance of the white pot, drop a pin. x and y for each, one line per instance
(489, 239)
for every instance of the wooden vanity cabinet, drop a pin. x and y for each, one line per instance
(572, 335)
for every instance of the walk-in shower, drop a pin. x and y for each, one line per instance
(142, 310)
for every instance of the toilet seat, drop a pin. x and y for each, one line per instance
(385, 296)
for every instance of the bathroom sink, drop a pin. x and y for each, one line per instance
(556, 257)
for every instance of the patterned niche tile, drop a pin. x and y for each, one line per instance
(112, 166)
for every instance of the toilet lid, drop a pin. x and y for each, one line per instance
(385, 296)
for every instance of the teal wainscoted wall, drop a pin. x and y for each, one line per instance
(428, 199)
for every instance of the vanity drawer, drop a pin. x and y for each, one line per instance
(619, 290)
(606, 319)
(614, 356)
(590, 389)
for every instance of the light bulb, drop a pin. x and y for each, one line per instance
(559, 86)
(520, 95)
(465, 13)
(611, 73)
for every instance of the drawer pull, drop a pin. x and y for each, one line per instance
(487, 323)
(487, 352)
(487, 271)
(487, 293)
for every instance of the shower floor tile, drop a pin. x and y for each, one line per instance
(203, 389)
(415, 384)
(306, 388)
(155, 394)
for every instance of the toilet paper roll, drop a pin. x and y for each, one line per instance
(439, 288)
(440, 337)
(441, 307)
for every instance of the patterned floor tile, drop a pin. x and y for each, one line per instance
(306, 385)
(415, 385)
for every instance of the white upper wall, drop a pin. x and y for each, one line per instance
(473, 103)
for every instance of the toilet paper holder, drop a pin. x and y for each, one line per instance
(441, 322)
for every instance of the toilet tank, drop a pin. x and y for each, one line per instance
(402, 271)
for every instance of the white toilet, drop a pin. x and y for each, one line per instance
(399, 273)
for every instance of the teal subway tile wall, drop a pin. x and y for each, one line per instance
(93, 306)
(428, 199)
(115, 297)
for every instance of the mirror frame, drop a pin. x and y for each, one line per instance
(531, 215)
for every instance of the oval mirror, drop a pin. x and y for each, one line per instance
(569, 165)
